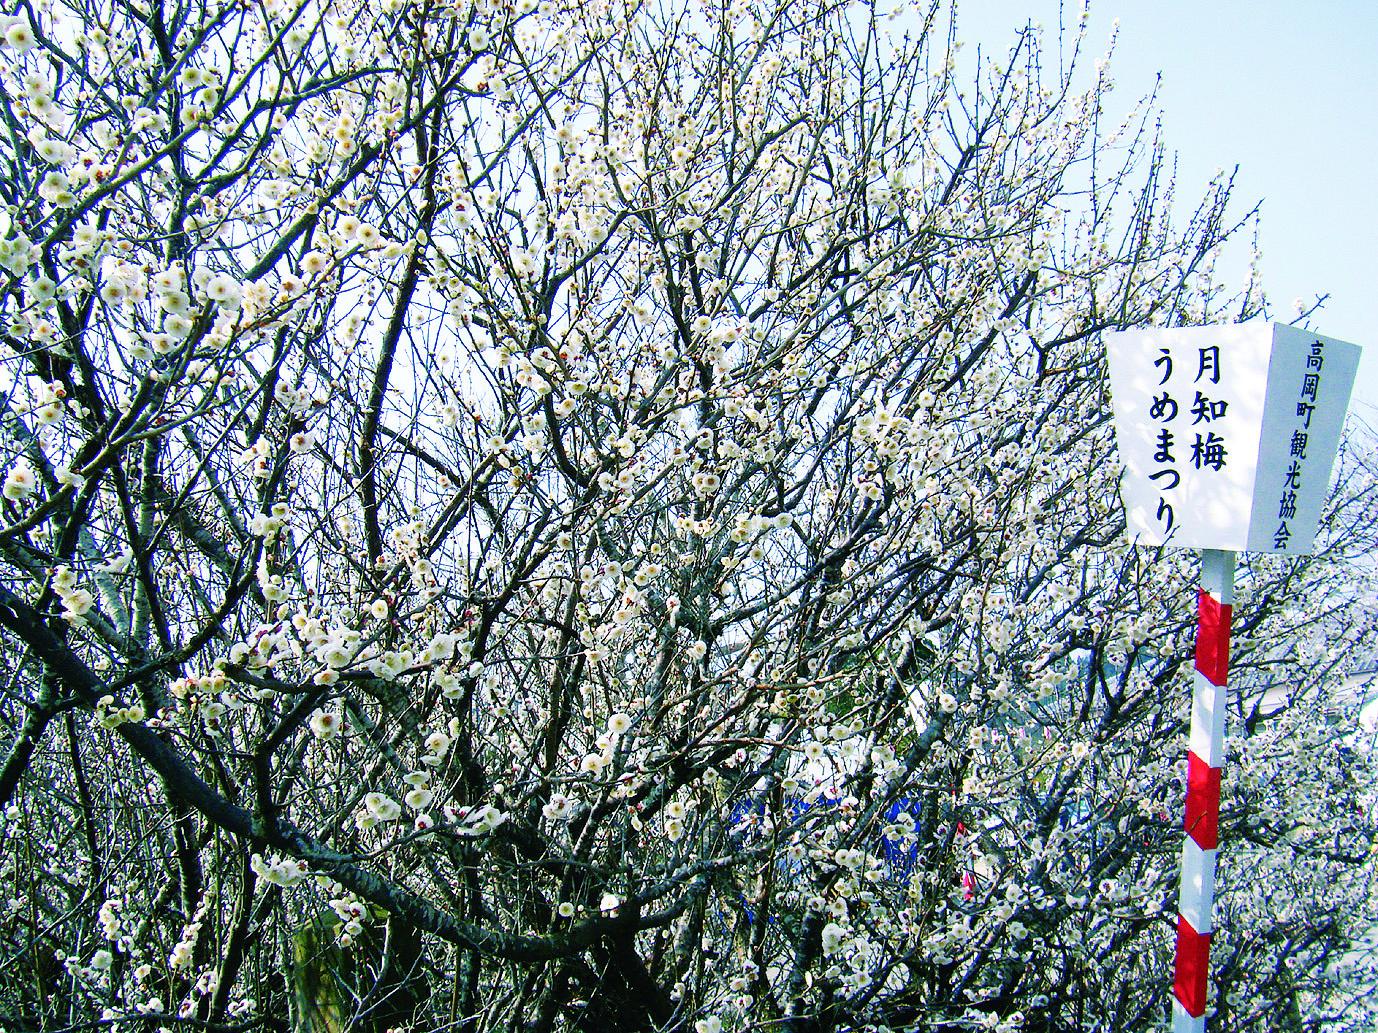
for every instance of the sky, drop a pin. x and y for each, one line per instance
(1288, 91)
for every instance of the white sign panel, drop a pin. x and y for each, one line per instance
(1228, 433)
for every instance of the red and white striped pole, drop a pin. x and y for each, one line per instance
(1205, 757)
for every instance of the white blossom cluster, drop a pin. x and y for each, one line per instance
(620, 499)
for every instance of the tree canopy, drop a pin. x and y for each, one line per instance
(602, 516)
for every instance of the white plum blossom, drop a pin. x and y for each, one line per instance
(382, 808)
(625, 494)
(325, 724)
(20, 37)
(833, 936)
(20, 482)
(224, 290)
(278, 870)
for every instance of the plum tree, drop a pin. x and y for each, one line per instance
(614, 503)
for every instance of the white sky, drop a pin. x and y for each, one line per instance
(1286, 90)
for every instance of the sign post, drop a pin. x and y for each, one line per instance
(1227, 435)
(1205, 756)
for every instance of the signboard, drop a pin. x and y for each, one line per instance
(1228, 433)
